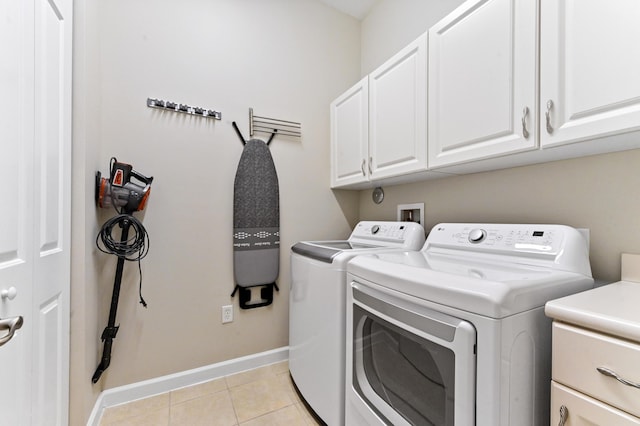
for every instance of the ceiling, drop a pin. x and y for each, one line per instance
(356, 8)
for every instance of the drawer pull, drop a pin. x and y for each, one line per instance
(564, 413)
(611, 373)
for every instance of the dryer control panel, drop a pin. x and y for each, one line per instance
(536, 238)
(556, 244)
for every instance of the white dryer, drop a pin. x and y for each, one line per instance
(455, 334)
(317, 300)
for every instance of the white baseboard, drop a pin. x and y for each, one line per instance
(163, 384)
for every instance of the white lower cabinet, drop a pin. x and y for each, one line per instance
(577, 409)
(584, 389)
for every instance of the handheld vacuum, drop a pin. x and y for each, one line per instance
(119, 191)
(125, 196)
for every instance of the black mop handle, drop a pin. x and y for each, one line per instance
(111, 329)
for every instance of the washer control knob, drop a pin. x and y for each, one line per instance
(477, 235)
(375, 229)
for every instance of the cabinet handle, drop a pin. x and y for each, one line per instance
(548, 116)
(362, 167)
(370, 165)
(525, 114)
(610, 373)
(564, 413)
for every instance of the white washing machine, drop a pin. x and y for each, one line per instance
(317, 308)
(455, 334)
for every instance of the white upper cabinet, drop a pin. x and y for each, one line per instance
(350, 136)
(397, 113)
(482, 82)
(495, 84)
(590, 70)
(378, 127)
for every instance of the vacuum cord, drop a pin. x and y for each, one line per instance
(135, 248)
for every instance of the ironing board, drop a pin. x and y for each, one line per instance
(256, 224)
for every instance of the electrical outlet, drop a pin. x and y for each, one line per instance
(227, 313)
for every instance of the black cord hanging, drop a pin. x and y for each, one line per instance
(132, 249)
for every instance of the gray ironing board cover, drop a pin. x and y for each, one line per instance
(256, 217)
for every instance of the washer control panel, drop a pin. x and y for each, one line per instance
(408, 235)
(395, 230)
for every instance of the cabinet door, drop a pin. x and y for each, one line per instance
(397, 113)
(350, 136)
(482, 81)
(577, 355)
(589, 69)
(581, 410)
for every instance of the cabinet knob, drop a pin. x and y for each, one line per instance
(362, 167)
(548, 116)
(9, 293)
(525, 114)
(370, 165)
(564, 414)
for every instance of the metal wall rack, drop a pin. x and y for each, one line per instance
(183, 108)
(273, 125)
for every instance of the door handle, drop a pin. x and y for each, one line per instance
(11, 324)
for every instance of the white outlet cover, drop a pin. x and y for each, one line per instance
(227, 314)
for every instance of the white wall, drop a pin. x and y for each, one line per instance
(392, 24)
(598, 192)
(85, 333)
(285, 58)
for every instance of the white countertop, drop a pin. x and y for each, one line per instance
(613, 308)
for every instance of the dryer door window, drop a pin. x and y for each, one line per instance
(409, 367)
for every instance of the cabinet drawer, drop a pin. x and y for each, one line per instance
(578, 352)
(584, 411)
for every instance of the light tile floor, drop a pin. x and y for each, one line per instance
(260, 397)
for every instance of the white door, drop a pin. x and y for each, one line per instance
(482, 81)
(589, 85)
(35, 167)
(398, 113)
(350, 136)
